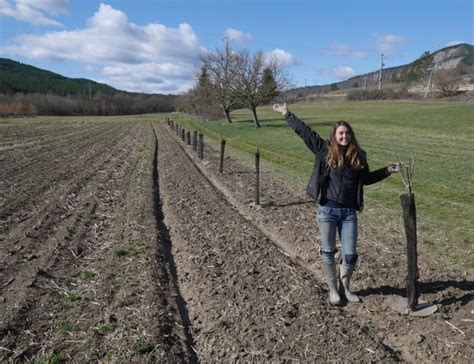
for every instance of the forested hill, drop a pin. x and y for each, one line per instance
(18, 77)
(26, 91)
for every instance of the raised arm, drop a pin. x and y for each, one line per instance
(312, 139)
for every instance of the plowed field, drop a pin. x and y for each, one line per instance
(119, 245)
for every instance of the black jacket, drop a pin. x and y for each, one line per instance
(321, 169)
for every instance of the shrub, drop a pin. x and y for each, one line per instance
(387, 94)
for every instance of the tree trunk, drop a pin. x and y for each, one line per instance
(227, 115)
(255, 117)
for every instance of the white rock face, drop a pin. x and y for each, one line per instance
(449, 58)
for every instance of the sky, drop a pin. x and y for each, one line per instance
(154, 46)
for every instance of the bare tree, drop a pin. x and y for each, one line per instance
(217, 87)
(447, 83)
(257, 80)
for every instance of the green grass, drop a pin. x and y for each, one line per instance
(106, 329)
(440, 133)
(142, 347)
(73, 297)
(69, 328)
(126, 252)
(89, 276)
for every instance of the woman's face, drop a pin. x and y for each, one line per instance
(343, 137)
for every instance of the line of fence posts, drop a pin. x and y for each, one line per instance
(198, 145)
(221, 164)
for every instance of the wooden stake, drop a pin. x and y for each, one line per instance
(195, 140)
(221, 165)
(257, 178)
(201, 146)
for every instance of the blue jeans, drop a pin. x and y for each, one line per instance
(344, 221)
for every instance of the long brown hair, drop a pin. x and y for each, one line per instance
(338, 156)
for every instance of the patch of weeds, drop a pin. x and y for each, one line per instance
(142, 347)
(55, 358)
(89, 276)
(106, 329)
(69, 328)
(73, 297)
(124, 252)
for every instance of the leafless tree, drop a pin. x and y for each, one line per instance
(446, 83)
(216, 77)
(257, 79)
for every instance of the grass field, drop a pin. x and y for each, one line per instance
(440, 134)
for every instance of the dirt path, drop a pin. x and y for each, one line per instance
(288, 221)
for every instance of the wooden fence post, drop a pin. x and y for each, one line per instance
(183, 131)
(195, 140)
(221, 165)
(188, 138)
(201, 146)
(257, 178)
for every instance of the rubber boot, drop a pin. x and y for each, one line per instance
(345, 280)
(331, 279)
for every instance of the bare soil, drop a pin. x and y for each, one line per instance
(119, 245)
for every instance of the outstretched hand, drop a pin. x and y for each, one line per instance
(394, 167)
(282, 109)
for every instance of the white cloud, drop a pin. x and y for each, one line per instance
(112, 42)
(343, 72)
(282, 57)
(149, 77)
(453, 43)
(109, 37)
(34, 11)
(238, 36)
(388, 44)
(339, 73)
(342, 50)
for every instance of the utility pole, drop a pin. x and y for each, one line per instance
(90, 91)
(305, 88)
(380, 73)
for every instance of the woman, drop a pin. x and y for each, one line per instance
(339, 173)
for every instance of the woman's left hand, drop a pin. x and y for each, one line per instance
(394, 167)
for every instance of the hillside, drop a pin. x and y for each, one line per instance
(18, 77)
(26, 90)
(459, 57)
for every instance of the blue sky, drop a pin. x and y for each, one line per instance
(153, 46)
